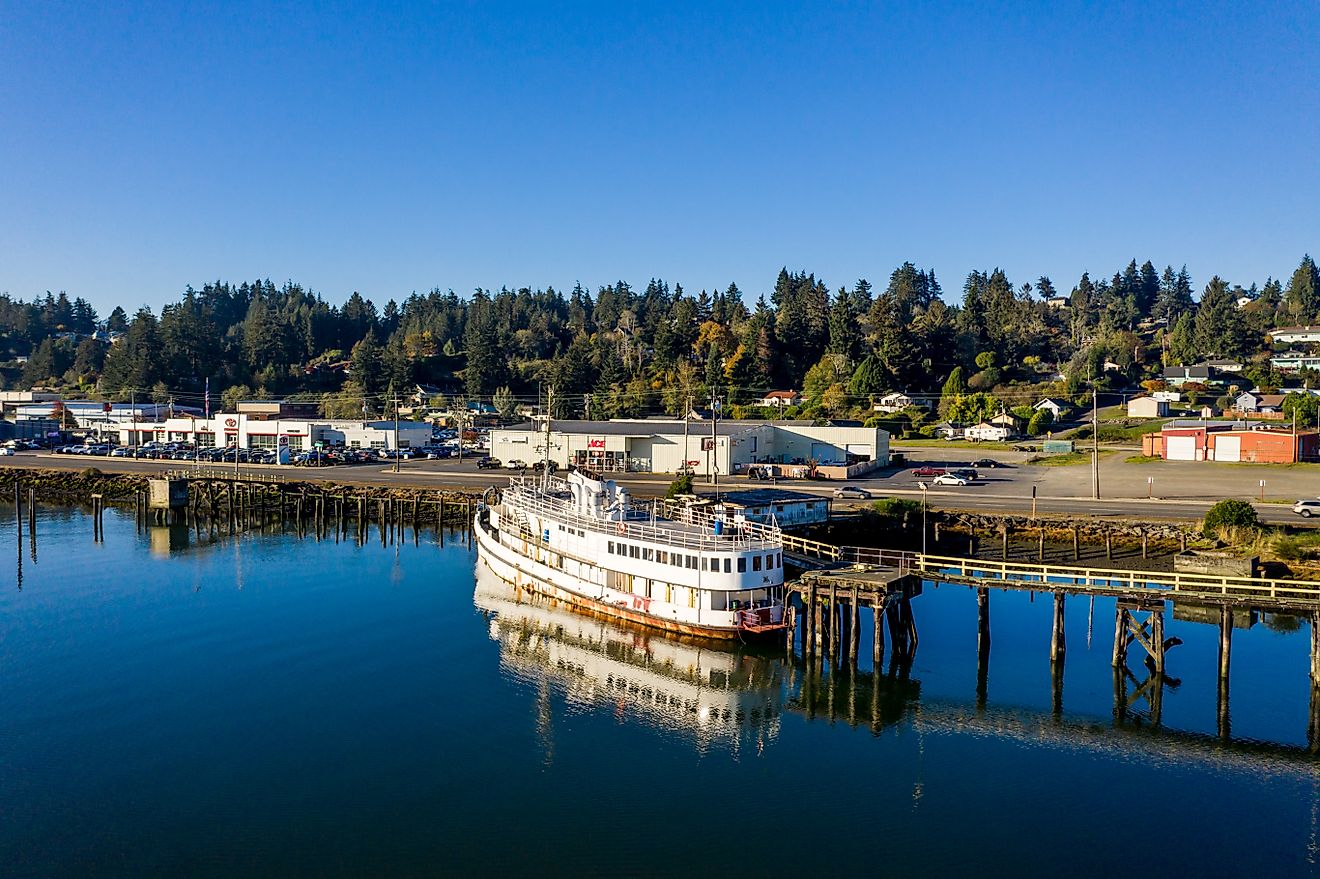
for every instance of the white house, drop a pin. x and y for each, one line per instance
(780, 399)
(895, 401)
(1054, 406)
(987, 432)
(945, 430)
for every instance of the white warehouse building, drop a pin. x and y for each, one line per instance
(268, 433)
(660, 446)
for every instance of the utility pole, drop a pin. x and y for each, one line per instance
(714, 446)
(396, 433)
(461, 406)
(1095, 443)
(687, 412)
(549, 402)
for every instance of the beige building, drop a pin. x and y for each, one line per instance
(662, 446)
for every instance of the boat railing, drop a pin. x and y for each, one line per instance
(640, 524)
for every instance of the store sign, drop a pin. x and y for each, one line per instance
(707, 444)
(595, 443)
(231, 422)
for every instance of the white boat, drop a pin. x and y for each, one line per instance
(583, 540)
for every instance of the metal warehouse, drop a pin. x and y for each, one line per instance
(662, 446)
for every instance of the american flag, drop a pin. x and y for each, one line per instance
(206, 398)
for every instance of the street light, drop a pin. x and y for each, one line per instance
(923, 488)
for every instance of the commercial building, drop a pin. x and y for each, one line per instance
(664, 446)
(257, 432)
(1233, 442)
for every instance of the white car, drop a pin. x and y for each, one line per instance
(950, 479)
(6, 451)
(1307, 508)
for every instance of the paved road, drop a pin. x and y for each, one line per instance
(1002, 490)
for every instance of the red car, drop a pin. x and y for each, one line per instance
(927, 471)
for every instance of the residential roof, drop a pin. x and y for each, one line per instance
(780, 395)
(1199, 370)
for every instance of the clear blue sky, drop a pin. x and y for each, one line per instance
(396, 148)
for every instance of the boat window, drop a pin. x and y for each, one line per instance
(770, 562)
(728, 565)
(611, 547)
(662, 557)
(714, 564)
(633, 550)
(742, 564)
(692, 562)
(646, 553)
(779, 560)
(756, 563)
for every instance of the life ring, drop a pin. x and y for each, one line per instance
(620, 528)
(491, 496)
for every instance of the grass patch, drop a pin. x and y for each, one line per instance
(900, 445)
(1068, 460)
(1121, 431)
(1142, 459)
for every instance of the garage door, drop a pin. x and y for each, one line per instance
(1180, 448)
(1228, 448)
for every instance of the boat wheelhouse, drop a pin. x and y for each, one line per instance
(586, 541)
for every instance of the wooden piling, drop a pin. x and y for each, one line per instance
(834, 622)
(1315, 648)
(855, 629)
(1120, 637)
(1109, 545)
(1040, 546)
(1077, 543)
(878, 645)
(1144, 542)
(1157, 640)
(1003, 540)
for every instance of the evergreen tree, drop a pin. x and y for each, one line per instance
(367, 364)
(1303, 293)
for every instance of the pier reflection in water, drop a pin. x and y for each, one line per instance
(259, 704)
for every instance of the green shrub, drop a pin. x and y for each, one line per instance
(682, 484)
(1230, 513)
(90, 473)
(897, 510)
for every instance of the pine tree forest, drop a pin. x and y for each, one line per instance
(622, 352)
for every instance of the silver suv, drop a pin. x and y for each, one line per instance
(1307, 508)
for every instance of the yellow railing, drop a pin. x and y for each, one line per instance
(1155, 583)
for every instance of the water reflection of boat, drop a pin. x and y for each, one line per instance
(677, 683)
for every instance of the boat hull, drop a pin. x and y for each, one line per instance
(535, 577)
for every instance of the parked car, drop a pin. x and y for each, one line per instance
(6, 451)
(987, 463)
(1307, 508)
(489, 463)
(541, 465)
(756, 471)
(851, 491)
(966, 473)
(515, 464)
(928, 470)
(950, 479)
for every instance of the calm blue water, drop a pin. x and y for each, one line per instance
(264, 705)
